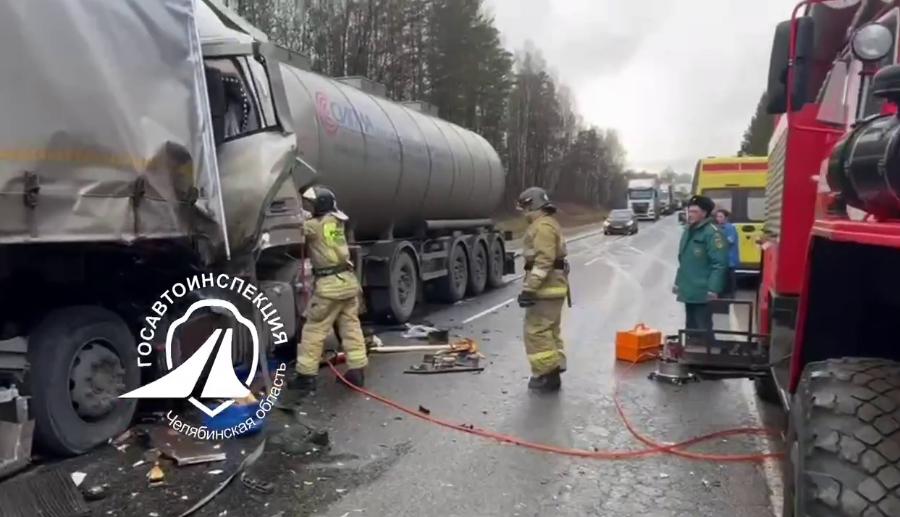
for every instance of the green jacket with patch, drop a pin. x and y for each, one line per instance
(702, 262)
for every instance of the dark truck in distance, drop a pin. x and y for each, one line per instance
(621, 221)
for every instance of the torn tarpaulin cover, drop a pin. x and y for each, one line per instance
(107, 135)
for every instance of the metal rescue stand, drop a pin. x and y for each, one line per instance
(694, 355)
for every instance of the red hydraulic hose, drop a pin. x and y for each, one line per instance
(653, 447)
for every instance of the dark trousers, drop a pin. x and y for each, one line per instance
(730, 284)
(697, 316)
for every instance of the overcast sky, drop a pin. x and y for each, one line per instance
(679, 79)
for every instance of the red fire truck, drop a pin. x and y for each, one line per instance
(830, 293)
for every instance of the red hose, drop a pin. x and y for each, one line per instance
(653, 447)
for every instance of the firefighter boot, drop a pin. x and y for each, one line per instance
(356, 377)
(546, 383)
(303, 385)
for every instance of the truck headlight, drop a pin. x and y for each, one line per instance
(872, 42)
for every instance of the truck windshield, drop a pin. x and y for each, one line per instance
(640, 194)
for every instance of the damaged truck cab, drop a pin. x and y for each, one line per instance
(141, 145)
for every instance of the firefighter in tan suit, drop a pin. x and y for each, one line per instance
(546, 289)
(335, 300)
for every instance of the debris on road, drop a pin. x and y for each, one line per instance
(184, 450)
(424, 410)
(215, 472)
(256, 485)
(155, 475)
(51, 492)
(320, 438)
(461, 356)
(248, 461)
(78, 478)
(418, 331)
(96, 493)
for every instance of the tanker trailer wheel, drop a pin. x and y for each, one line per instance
(844, 440)
(82, 358)
(495, 264)
(396, 302)
(478, 270)
(452, 287)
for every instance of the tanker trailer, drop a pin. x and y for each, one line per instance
(419, 192)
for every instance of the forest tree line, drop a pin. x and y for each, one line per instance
(449, 53)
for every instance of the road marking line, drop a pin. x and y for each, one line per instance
(770, 471)
(595, 259)
(652, 257)
(485, 312)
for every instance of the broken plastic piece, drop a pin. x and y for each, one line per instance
(156, 474)
(78, 478)
(418, 331)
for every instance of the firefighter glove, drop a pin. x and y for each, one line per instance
(525, 299)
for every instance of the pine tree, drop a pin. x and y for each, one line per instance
(756, 137)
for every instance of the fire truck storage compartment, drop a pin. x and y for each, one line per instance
(853, 301)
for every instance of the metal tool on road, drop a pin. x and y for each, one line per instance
(669, 368)
(462, 357)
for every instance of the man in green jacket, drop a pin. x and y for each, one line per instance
(702, 264)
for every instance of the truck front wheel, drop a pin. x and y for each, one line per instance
(844, 440)
(81, 359)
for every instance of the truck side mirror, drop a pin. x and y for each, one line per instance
(215, 87)
(781, 61)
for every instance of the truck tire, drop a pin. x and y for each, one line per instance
(82, 359)
(495, 264)
(478, 270)
(844, 440)
(452, 287)
(397, 302)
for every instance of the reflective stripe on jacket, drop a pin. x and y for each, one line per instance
(327, 247)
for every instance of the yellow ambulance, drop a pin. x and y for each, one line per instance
(737, 184)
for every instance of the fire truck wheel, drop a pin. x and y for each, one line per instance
(767, 390)
(844, 440)
(81, 358)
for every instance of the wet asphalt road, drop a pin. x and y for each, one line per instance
(382, 463)
(423, 470)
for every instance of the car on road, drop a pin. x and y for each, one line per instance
(622, 221)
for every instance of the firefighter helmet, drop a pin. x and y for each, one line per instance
(534, 198)
(323, 202)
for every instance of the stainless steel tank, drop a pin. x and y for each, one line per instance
(391, 167)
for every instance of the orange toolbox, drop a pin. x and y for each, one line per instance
(638, 344)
